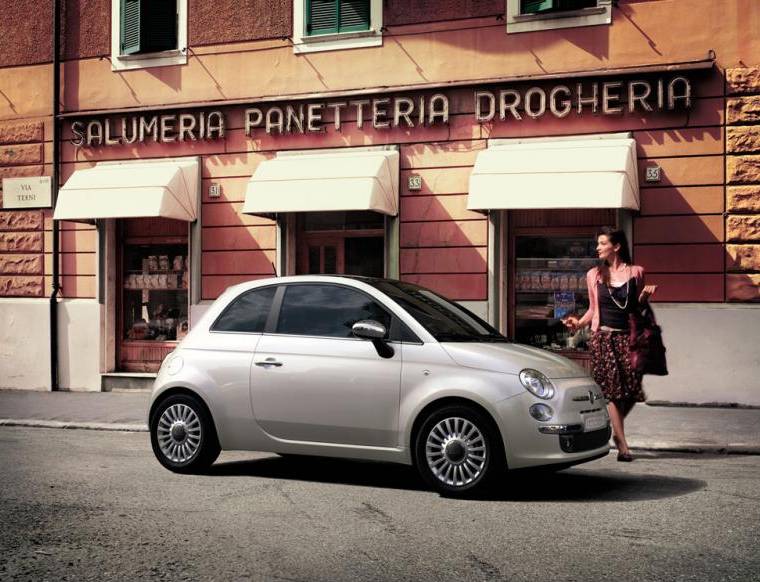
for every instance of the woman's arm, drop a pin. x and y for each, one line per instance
(575, 323)
(646, 290)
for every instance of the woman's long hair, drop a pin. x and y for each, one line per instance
(616, 237)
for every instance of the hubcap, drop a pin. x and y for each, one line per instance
(179, 433)
(456, 451)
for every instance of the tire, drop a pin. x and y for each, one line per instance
(458, 451)
(183, 436)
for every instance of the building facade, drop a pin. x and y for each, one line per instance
(470, 146)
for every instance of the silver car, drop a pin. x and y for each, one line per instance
(370, 369)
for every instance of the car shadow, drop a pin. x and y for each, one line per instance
(589, 484)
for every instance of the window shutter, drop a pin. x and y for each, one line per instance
(575, 4)
(533, 6)
(354, 15)
(130, 26)
(160, 25)
(322, 17)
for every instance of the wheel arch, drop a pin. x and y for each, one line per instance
(181, 390)
(430, 407)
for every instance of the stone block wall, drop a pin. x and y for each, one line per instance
(743, 184)
(21, 231)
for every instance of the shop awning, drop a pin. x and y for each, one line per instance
(165, 188)
(562, 173)
(325, 181)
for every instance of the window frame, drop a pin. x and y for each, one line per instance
(592, 16)
(304, 43)
(396, 330)
(125, 62)
(212, 328)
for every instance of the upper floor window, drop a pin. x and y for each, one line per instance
(534, 15)
(335, 16)
(148, 33)
(545, 6)
(322, 25)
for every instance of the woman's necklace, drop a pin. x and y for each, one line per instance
(625, 303)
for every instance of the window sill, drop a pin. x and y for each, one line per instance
(598, 15)
(556, 15)
(339, 41)
(148, 60)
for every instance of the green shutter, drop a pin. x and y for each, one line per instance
(130, 26)
(533, 6)
(332, 16)
(354, 15)
(321, 16)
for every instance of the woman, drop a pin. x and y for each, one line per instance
(615, 289)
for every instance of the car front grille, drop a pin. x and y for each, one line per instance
(585, 441)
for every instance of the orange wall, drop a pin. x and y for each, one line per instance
(442, 244)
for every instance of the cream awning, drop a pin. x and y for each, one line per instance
(324, 181)
(165, 188)
(561, 173)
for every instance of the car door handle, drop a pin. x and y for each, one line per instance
(269, 362)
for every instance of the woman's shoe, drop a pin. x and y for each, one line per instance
(625, 457)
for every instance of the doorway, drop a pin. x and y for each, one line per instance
(341, 243)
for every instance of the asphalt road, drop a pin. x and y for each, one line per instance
(88, 505)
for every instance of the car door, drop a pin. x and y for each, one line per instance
(313, 381)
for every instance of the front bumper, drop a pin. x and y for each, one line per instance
(573, 435)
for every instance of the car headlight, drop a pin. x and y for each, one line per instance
(537, 384)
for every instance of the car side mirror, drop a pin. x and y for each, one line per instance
(369, 329)
(375, 332)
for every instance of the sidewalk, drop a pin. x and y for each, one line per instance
(658, 428)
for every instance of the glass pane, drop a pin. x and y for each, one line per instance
(359, 220)
(365, 256)
(248, 313)
(331, 260)
(550, 284)
(326, 310)
(314, 268)
(155, 282)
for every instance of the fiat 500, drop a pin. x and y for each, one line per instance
(370, 369)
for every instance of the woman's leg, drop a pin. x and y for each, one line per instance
(618, 431)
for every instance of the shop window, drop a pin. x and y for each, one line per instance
(550, 284)
(248, 313)
(327, 311)
(322, 25)
(148, 33)
(534, 15)
(155, 284)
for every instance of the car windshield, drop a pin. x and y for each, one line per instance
(445, 320)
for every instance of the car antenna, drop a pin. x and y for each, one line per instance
(276, 274)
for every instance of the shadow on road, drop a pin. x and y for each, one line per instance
(571, 485)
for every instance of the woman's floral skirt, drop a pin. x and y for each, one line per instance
(612, 370)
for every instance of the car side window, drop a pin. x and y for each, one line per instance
(327, 310)
(248, 312)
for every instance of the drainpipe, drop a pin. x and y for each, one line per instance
(55, 290)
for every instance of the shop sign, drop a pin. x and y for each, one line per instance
(605, 98)
(33, 192)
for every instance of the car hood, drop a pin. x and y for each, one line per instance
(510, 358)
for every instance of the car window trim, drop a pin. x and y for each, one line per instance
(229, 305)
(279, 297)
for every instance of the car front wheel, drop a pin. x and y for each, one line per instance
(182, 435)
(458, 451)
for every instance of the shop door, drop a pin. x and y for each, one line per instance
(341, 243)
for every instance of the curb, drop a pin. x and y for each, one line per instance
(109, 426)
(697, 449)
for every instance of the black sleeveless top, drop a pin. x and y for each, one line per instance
(615, 313)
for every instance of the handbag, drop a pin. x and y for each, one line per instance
(647, 351)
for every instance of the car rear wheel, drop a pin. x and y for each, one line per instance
(458, 451)
(182, 435)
